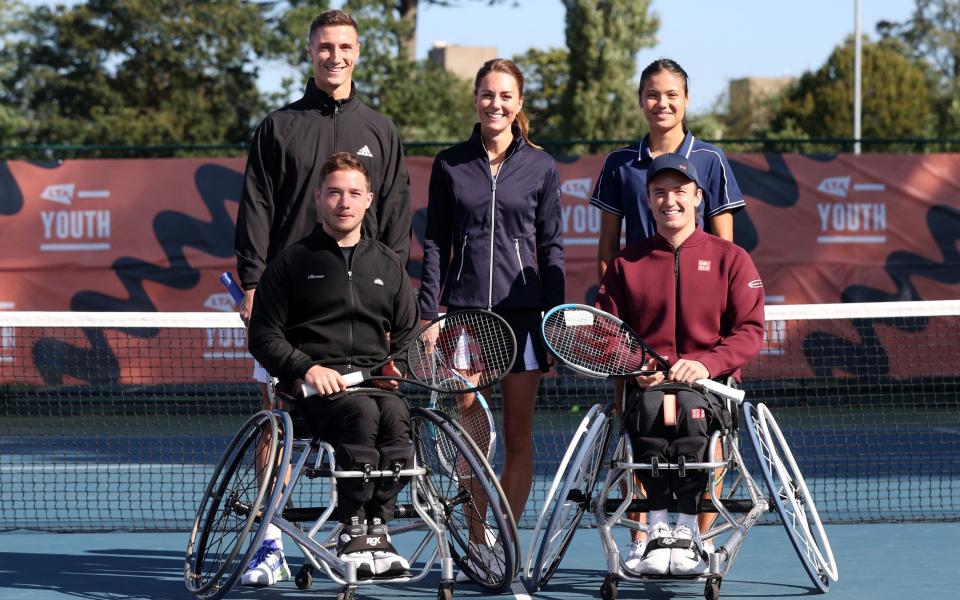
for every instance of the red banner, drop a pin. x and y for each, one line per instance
(153, 235)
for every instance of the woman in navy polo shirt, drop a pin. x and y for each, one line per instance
(494, 240)
(621, 190)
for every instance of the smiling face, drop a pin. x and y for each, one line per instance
(498, 101)
(341, 202)
(674, 199)
(664, 101)
(333, 50)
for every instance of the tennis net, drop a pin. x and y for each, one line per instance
(115, 420)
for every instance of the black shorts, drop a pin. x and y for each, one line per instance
(525, 323)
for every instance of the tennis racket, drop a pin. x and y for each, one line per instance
(226, 279)
(458, 352)
(598, 344)
(471, 411)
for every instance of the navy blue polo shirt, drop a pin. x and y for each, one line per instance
(622, 186)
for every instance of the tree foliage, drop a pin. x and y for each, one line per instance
(895, 100)
(137, 72)
(545, 73)
(932, 34)
(600, 99)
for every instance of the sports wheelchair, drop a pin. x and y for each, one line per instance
(596, 475)
(449, 479)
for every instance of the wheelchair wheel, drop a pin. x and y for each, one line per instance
(790, 495)
(233, 503)
(482, 533)
(569, 496)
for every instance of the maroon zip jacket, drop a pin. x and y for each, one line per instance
(702, 301)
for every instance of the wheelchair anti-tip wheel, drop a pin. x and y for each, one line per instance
(236, 502)
(569, 496)
(482, 533)
(790, 495)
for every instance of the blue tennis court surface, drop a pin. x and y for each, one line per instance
(880, 562)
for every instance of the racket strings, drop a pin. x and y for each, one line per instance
(473, 346)
(594, 342)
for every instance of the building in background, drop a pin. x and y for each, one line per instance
(749, 103)
(462, 61)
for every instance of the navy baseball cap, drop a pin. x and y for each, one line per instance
(673, 162)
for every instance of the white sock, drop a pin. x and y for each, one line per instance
(657, 517)
(273, 533)
(691, 522)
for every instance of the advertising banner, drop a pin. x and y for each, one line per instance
(154, 235)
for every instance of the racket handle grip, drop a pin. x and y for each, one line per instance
(354, 378)
(719, 389)
(226, 279)
(350, 380)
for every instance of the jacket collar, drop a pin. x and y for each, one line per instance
(686, 146)
(317, 98)
(322, 237)
(517, 144)
(696, 238)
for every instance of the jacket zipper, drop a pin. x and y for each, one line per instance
(336, 113)
(516, 244)
(676, 302)
(493, 221)
(463, 253)
(353, 306)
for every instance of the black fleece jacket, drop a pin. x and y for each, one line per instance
(312, 308)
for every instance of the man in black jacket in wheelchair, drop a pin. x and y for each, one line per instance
(326, 306)
(697, 300)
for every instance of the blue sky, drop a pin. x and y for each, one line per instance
(714, 40)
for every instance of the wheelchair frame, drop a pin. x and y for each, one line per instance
(239, 502)
(739, 506)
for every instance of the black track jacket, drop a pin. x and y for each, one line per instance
(283, 170)
(310, 309)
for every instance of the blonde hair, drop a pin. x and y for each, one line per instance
(508, 67)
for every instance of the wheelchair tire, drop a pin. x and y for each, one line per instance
(451, 459)
(569, 496)
(235, 501)
(791, 496)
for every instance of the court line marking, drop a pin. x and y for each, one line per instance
(519, 591)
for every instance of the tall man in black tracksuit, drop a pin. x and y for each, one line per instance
(326, 306)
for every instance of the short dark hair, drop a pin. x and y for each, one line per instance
(343, 161)
(329, 18)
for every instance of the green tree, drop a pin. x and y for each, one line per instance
(11, 120)
(933, 35)
(603, 38)
(545, 74)
(137, 72)
(895, 101)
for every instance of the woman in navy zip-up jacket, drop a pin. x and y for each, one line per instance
(494, 240)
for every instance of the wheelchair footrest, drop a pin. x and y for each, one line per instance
(312, 513)
(706, 506)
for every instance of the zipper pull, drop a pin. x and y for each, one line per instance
(676, 260)
(349, 275)
(493, 184)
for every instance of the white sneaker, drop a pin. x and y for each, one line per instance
(655, 559)
(363, 560)
(267, 566)
(634, 553)
(387, 563)
(688, 557)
